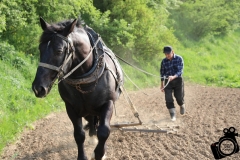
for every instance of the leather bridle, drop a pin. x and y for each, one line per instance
(69, 54)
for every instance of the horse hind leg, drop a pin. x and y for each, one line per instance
(103, 130)
(91, 126)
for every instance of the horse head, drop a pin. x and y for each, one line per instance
(58, 54)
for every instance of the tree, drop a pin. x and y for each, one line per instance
(140, 23)
(199, 18)
(17, 30)
(2, 18)
(21, 27)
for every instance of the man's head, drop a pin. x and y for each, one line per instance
(168, 51)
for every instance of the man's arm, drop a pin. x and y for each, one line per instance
(180, 64)
(162, 70)
(161, 77)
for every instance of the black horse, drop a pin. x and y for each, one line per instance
(89, 78)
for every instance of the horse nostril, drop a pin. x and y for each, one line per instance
(34, 89)
(39, 91)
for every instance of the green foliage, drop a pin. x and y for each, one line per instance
(200, 18)
(2, 18)
(215, 63)
(6, 51)
(23, 19)
(117, 34)
(138, 26)
(19, 29)
(57, 10)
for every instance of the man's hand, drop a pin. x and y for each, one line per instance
(172, 77)
(161, 87)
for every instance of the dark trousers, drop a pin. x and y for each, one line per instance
(176, 87)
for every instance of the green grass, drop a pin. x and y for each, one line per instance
(19, 106)
(135, 79)
(214, 62)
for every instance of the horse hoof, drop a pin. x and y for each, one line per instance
(93, 140)
(104, 157)
(93, 157)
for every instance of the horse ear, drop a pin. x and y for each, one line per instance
(70, 27)
(44, 24)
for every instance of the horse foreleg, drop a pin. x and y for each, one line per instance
(79, 134)
(103, 130)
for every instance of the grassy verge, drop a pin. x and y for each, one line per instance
(214, 62)
(135, 79)
(19, 106)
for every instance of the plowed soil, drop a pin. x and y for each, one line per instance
(209, 111)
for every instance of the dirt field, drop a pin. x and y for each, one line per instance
(209, 111)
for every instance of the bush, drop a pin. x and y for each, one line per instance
(197, 19)
(6, 51)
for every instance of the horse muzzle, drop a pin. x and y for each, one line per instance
(40, 91)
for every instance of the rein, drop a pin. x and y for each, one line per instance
(85, 59)
(165, 84)
(136, 67)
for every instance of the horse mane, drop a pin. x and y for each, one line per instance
(58, 27)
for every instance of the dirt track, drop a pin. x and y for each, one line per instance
(209, 111)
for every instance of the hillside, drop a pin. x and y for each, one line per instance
(19, 107)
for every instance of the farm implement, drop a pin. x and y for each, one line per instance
(140, 126)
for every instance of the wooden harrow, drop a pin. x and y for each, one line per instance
(141, 127)
(145, 128)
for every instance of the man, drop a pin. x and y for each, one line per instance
(172, 69)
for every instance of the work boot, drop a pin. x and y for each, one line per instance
(182, 109)
(172, 114)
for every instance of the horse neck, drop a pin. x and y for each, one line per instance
(82, 50)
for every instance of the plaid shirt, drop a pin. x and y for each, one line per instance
(172, 67)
